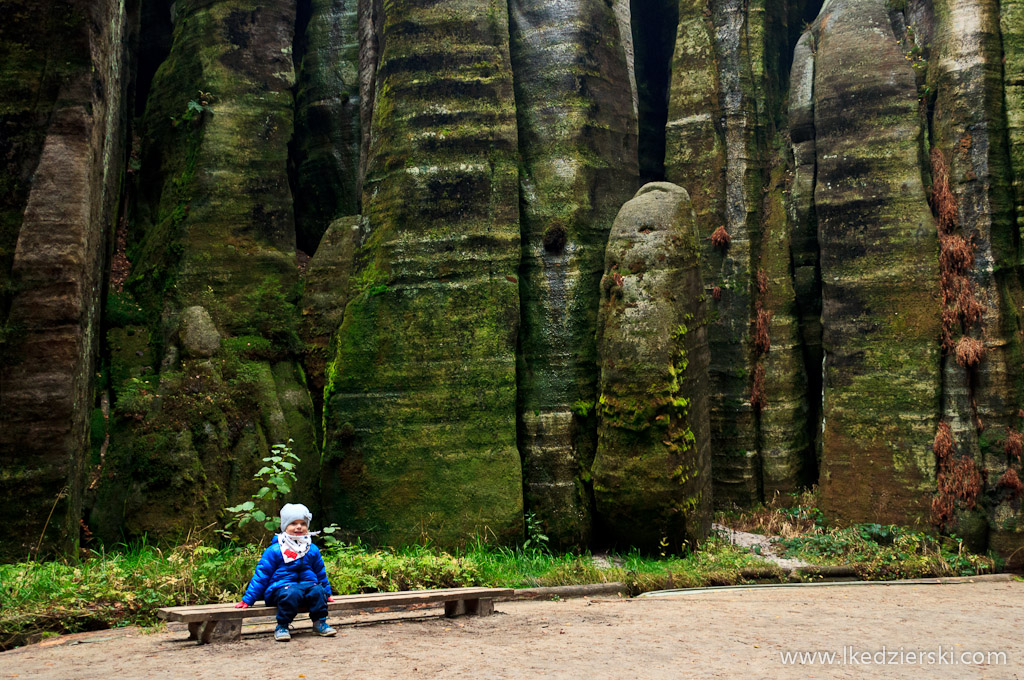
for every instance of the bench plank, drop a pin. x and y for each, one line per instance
(222, 612)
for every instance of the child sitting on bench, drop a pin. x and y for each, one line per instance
(291, 575)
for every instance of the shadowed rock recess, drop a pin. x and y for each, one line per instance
(380, 230)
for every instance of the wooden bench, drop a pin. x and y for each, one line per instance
(224, 622)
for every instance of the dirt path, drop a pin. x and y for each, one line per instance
(720, 634)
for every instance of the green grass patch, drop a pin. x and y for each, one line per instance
(126, 587)
(875, 551)
(880, 552)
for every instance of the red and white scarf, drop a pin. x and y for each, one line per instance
(294, 547)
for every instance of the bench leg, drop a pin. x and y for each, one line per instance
(229, 630)
(193, 630)
(477, 607)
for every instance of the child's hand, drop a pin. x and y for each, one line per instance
(241, 605)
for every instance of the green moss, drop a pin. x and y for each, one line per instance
(97, 434)
(420, 393)
(250, 347)
(651, 471)
(121, 310)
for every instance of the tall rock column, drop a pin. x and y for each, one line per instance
(724, 146)
(203, 339)
(63, 80)
(879, 271)
(577, 139)
(804, 225)
(695, 159)
(421, 396)
(780, 389)
(1011, 22)
(651, 474)
(968, 136)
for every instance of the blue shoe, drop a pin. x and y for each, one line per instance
(281, 634)
(322, 629)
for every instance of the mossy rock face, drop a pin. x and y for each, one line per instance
(326, 291)
(327, 129)
(185, 443)
(63, 78)
(711, 151)
(652, 469)
(199, 337)
(804, 250)
(214, 271)
(577, 139)
(420, 400)
(1006, 533)
(215, 217)
(966, 74)
(879, 272)
(785, 441)
(1011, 23)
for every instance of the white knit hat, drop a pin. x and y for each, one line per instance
(293, 511)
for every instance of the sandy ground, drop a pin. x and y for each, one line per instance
(717, 634)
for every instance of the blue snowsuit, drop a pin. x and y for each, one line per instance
(300, 584)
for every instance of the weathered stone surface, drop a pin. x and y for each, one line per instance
(326, 292)
(371, 18)
(215, 209)
(969, 129)
(214, 228)
(780, 391)
(694, 156)
(733, 425)
(420, 401)
(327, 128)
(1007, 520)
(623, 17)
(784, 431)
(1011, 23)
(726, 103)
(652, 468)
(199, 336)
(63, 76)
(577, 141)
(695, 160)
(879, 272)
(804, 230)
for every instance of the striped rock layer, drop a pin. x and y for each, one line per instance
(63, 81)
(577, 141)
(420, 402)
(969, 129)
(878, 269)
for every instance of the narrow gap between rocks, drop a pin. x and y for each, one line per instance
(654, 34)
